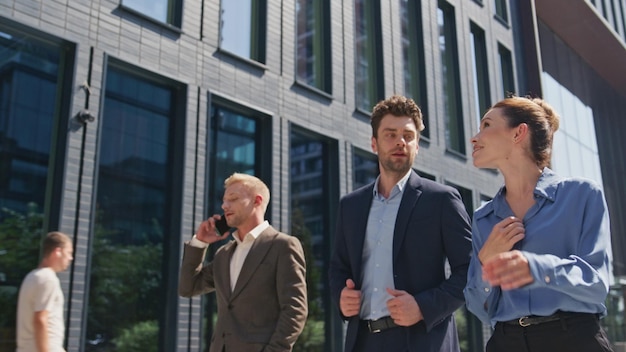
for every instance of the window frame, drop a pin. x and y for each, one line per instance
(451, 81)
(322, 42)
(258, 35)
(414, 59)
(480, 70)
(173, 19)
(374, 82)
(171, 254)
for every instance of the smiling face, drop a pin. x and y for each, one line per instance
(239, 204)
(494, 142)
(396, 144)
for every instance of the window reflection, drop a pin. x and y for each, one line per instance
(242, 28)
(232, 147)
(30, 95)
(453, 114)
(368, 72)
(127, 293)
(413, 57)
(313, 43)
(506, 71)
(364, 168)
(166, 11)
(480, 72)
(501, 10)
(310, 193)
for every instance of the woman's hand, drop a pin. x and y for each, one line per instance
(502, 238)
(509, 270)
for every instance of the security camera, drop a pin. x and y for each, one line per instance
(85, 116)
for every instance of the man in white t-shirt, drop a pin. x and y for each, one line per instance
(40, 325)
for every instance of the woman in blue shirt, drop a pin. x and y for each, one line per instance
(540, 272)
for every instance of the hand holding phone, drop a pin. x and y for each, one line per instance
(221, 226)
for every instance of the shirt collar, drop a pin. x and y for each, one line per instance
(255, 232)
(546, 187)
(399, 186)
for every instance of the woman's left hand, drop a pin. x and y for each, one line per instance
(509, 270)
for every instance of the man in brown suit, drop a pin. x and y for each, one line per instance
(258, 278)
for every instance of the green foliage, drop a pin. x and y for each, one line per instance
(313, 335)
(20, 236)
(461, 325)
(125, 284)
(139, 337)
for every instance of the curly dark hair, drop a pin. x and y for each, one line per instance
(396, 105)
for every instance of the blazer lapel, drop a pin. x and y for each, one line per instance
(259, 249)
(360, 219)
(222, 282)
(410, 196)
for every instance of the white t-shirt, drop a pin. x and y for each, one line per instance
(40, 290)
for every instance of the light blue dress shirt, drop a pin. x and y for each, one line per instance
(377, 274)
(568, 246)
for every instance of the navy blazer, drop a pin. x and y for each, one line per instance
(432, 225)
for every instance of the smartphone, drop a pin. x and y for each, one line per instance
(221, 225)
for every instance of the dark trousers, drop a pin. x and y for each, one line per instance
(579, 333)
(391, 340)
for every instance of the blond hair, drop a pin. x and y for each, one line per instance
(253, 184)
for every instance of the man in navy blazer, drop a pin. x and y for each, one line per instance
(388, 273)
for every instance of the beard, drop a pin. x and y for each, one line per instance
(397, 167)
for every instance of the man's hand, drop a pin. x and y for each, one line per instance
(509, 270)
(502, 238)
(206, 231)
(403, 308)
(350, 300)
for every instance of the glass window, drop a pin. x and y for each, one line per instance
(313, 177)
(313, 44)
(368, 66)
(426, 175)
(364, 168)
(484, 199)
(233, 145)
(132, 237)
(453, 113)
(243, 28)
(166, 11)
(413, 57)
(501, 10)
(506, 71)
(470, 327)
(575, 153)
(31, 94)
(482, 93)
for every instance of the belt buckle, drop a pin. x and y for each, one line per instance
(369, 326)
(522, 322)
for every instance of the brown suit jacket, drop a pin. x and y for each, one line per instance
(267, 309)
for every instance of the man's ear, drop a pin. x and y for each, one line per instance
(374, 148)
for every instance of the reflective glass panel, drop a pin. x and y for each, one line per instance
(157, 9)
(309, 191)
(30, 93)
(126, 291)
(312, 48)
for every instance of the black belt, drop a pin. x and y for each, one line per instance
(536, 319)
(379, 325)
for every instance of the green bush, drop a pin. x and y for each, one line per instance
(139, 337)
